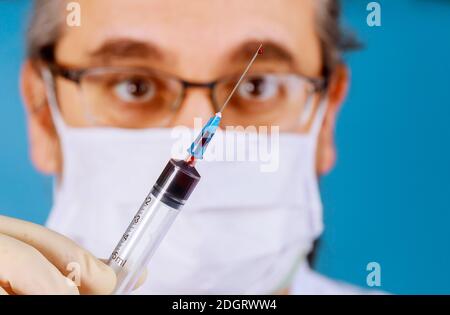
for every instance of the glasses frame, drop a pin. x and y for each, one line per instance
(76, 76)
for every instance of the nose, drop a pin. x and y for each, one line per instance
(196, 104)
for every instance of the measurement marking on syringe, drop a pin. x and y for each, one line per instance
(117, 259)
(121, 261)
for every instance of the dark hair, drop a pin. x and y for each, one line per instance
(334, 38)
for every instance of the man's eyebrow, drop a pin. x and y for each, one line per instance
(271, 51)
(126, 48)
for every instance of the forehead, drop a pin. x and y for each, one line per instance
(192, 33)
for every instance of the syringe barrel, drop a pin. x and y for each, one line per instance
(151, 223)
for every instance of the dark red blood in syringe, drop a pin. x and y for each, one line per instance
(191, 161)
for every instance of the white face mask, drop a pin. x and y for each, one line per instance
(243, 231)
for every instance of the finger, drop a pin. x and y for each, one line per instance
(3, 292)
(93, 276)
(24, 270)
(8, 290)
(141, 279)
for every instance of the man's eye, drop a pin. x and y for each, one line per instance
(259, 88)
(134, 90)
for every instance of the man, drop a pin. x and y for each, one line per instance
(102, 99)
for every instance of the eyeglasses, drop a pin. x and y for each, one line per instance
(129, 97)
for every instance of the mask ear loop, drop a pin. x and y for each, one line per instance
(319, 117)
(50, 89)
(58, 120)
(316, 126)
(307, 111)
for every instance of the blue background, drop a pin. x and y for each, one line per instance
(387, 199)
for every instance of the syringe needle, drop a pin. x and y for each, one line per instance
(241, 78)
(198, 147)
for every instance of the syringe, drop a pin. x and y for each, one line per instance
(162, 205)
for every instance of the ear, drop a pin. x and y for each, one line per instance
(43, 140)
(337, 92)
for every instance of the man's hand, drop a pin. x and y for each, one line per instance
(36, 260)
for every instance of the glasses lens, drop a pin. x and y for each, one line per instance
(264, 100)
(129, 98)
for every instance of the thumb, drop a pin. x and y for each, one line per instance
(90, 274)
(142, 277)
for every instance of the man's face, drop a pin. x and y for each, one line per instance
(198, 41)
